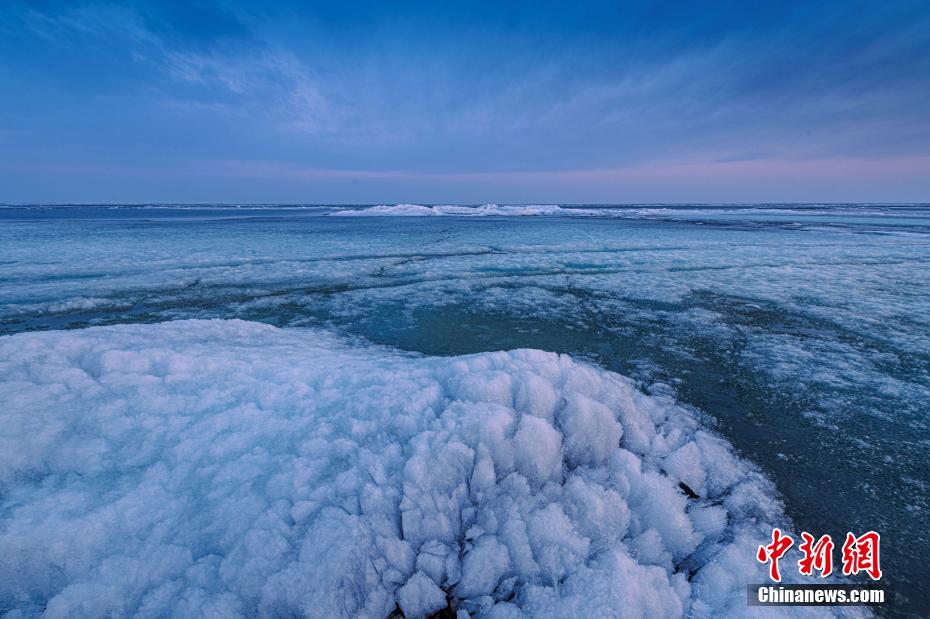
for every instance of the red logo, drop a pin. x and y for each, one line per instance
(860, 554)
(774, 551)
(817, 556)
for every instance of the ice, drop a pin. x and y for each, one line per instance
(484, 565)
(406, 210)
(420, 596)
(485, 210)
(230, 468)
(538, 449)
(791, 215)
(591, 430)
(685, 464)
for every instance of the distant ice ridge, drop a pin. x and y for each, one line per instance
(623, 211)
(485, 210)
(229, 468)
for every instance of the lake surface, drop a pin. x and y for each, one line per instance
(800, 332)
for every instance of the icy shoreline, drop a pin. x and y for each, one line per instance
(232, 468)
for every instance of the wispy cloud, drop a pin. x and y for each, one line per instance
(447, 95)
(268, 83)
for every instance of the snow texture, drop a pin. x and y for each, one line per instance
(228, 468)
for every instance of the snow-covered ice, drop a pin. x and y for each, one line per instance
(230, 468)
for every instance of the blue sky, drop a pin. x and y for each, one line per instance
(344, 102)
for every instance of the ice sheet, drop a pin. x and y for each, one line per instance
(801, 331)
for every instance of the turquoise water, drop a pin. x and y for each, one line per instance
(802, 333)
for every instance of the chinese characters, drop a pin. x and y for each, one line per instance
(859, 554)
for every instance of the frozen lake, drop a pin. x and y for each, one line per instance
(800, 334)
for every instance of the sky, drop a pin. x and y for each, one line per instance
(438, 102)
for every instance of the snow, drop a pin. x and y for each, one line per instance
(229, 468)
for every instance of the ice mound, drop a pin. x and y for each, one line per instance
(485, 210)
(228, 468)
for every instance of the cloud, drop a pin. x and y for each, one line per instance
(445, 91)
(249, 77)
(272, 84)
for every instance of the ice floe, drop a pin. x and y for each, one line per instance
(229, 468)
